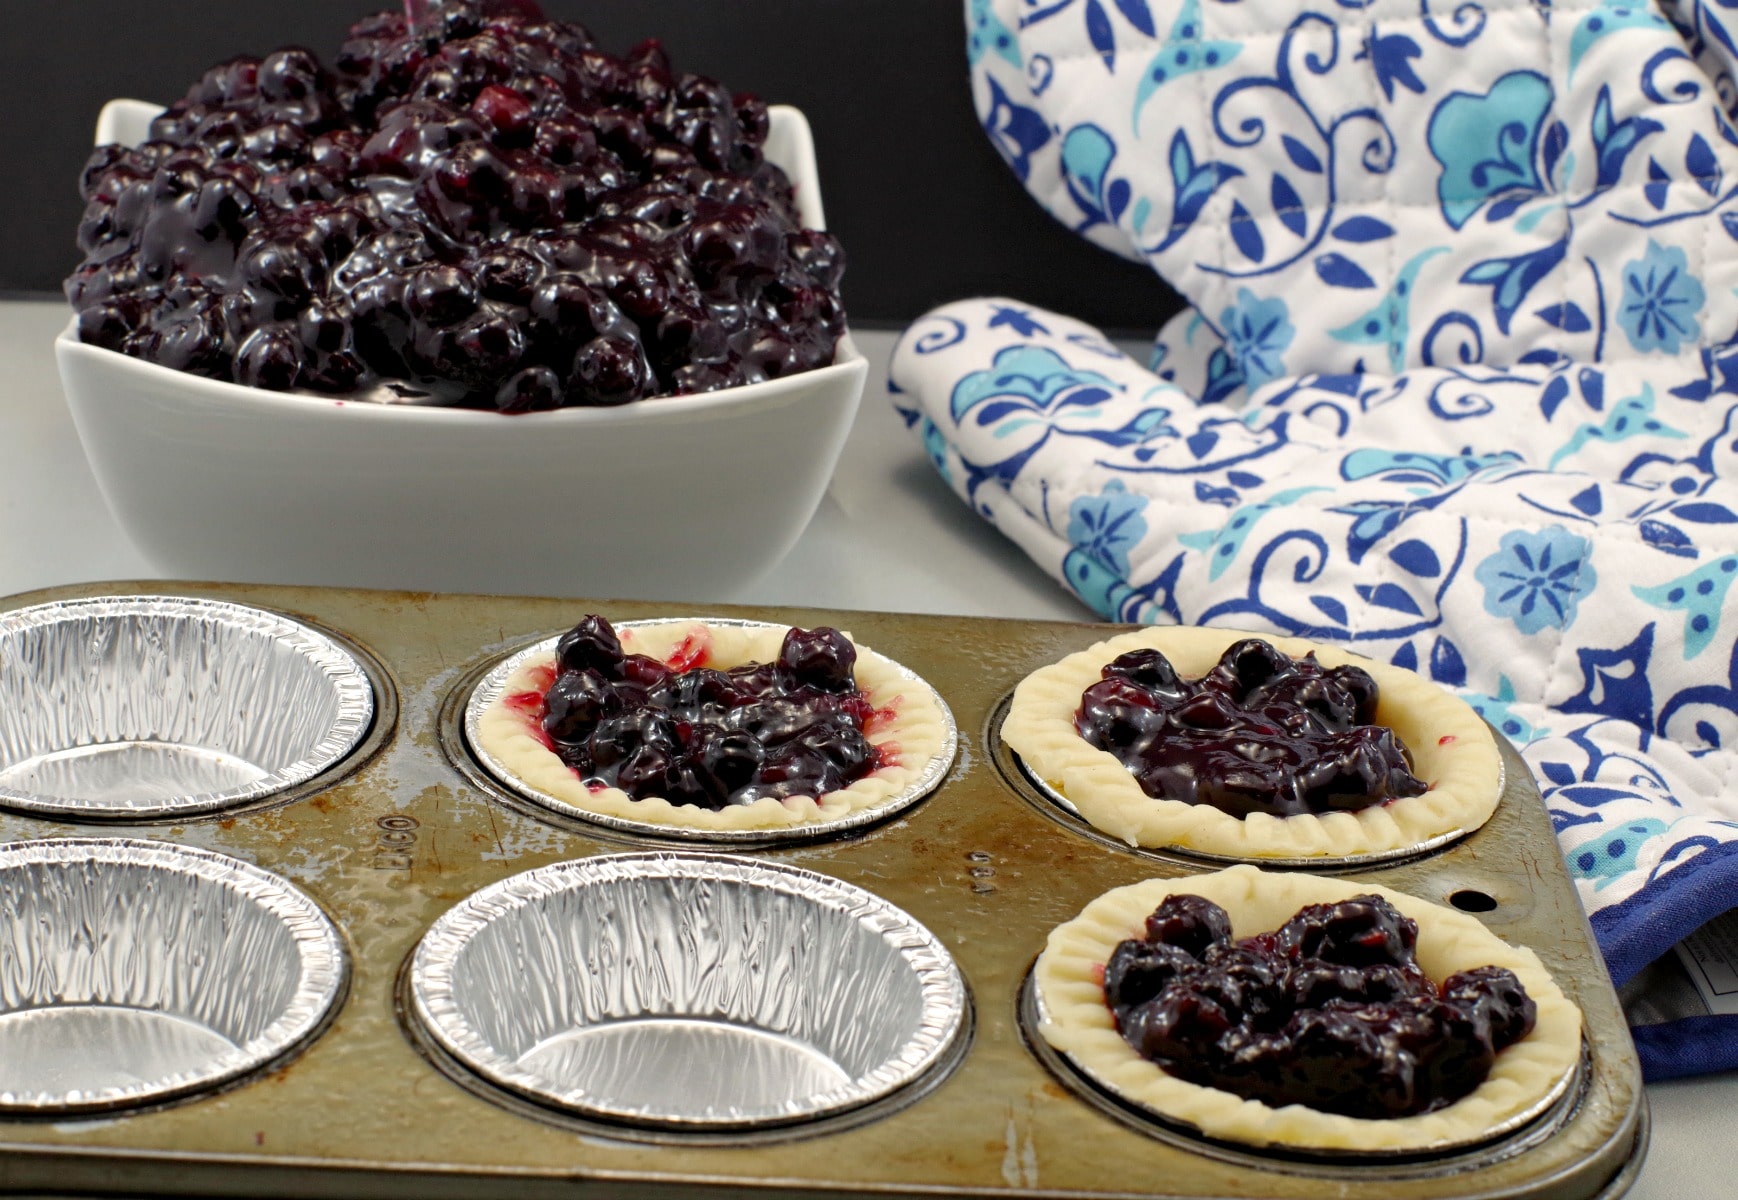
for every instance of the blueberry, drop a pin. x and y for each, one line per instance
(610, 370)
(1313, 984)
(1364, 931)
(685, 782)
(1147, 668)
(574, 705)
(269, 358)
(1342, 1063)
(1496, 995)
(646, 772)
(695, 695)
(731, 758)
(614, 739)
(1189, 923)
(535, 389)
(108, 324)
(1139, 970)
(1176, 1024)
(820, 658)
(1248, 664)
(842, 745)
(642, 671)
(591, 644)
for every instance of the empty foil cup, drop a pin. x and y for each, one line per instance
(132, 972)
(152, 707)
(687, 992)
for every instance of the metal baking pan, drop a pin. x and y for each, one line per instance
(986, 864)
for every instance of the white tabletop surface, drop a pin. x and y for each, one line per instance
(889, 537)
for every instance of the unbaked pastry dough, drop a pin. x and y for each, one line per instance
(1453, 751)
(912, 732)
(1070, 981)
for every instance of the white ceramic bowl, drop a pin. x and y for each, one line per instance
(678, 498)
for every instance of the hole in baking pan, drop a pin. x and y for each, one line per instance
(687, 994)
(143, 971)
(1524, 1132)
(1473, 901)
(1053, 804)
(152, 708)
(485, 740)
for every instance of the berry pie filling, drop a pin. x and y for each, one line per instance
(484, 210)
(1305, 1011)
(703, 736)
(1242, 746)
(714, 726)
(1261, 732)
(1331, 1010)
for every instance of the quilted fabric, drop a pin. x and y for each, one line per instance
(1455, 388)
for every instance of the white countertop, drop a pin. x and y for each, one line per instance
(890, 536)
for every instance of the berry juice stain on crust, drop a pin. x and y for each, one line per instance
(486, 211)
(689, 654)
(1260, 732)
(1330, 1011)
(696, 735)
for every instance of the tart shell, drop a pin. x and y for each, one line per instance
(1525, 1079)
(912, 729)
(1453, 751)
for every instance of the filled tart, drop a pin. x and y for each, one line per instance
(1235, 745)
(713, 726)
(1311, 1013)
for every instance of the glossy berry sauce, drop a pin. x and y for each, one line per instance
(1259, 733)
(696, 735)
(1330, 1011)
(485, 210)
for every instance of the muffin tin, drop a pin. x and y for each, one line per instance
(409, 833)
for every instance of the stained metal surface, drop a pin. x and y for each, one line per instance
(134, 971)
(152, 707)
(489, 689)
(985, 864)
(687, 991)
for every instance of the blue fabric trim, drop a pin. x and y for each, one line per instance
(1692, 1046)
(1667, 910)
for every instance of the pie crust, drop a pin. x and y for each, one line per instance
(1453, 751)
(909, 728)
(1069, 977)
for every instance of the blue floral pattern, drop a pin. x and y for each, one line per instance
(1660, 300)
(1457, 384)
(1256, 336)
(1489, 145)
(1109, 525)
(1537, 580)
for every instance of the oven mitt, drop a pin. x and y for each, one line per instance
(1454, 389)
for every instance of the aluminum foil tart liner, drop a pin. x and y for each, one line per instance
(1534, 1123)
(925, 782)
(132, 972)
(152, 707)
(687, 992)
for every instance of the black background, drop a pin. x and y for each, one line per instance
(925, 208)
